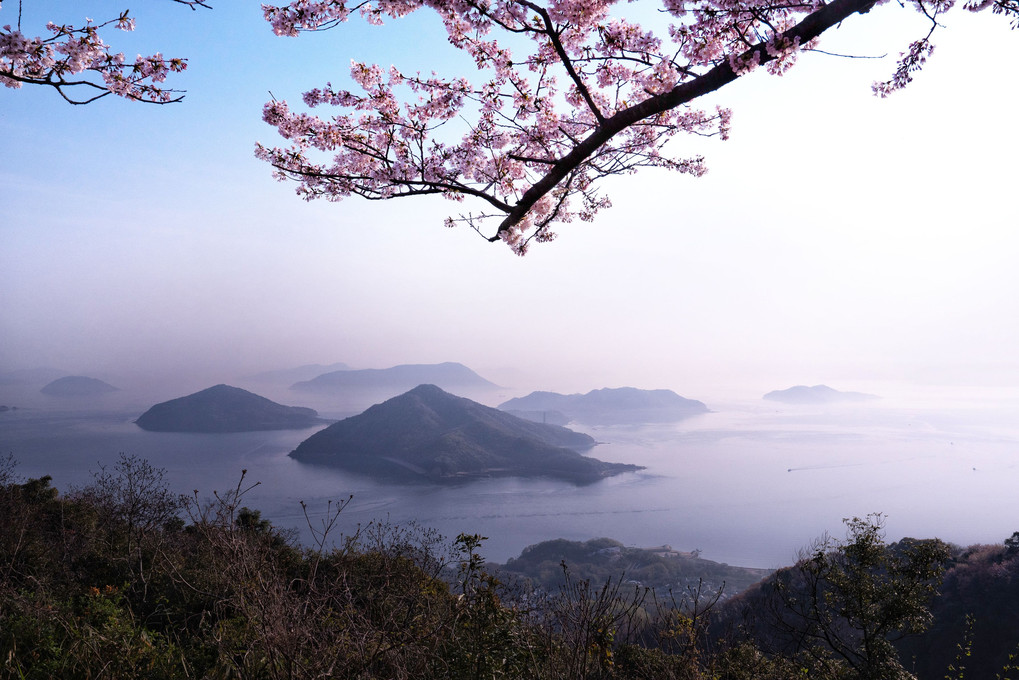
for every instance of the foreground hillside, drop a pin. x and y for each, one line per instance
(122, 579)
(917, 608)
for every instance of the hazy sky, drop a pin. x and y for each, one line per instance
(836, 238)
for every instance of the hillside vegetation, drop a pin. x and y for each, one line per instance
(123, 579)
(602, 559)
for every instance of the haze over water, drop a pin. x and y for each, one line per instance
(750, 483)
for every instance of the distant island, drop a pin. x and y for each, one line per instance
(77, 386)
(447, 375)
(599, 559)
(299, 373)
(428, 434)
(609, 406)
(225, 409)
(818, 394)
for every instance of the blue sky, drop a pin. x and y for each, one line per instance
(837, 237)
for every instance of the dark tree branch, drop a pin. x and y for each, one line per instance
(809, 28)
(567, 63)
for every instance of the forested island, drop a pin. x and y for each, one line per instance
(77, 386)
(606, 406)
(601, 559)
(449, 376)
(816, 394)
(428, 434)
(223, 408)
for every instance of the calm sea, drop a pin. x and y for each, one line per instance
(749, 484)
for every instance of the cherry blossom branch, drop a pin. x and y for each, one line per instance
(69, 55)
(1009, 8)
(534, 147)
(719, 76)
(557, 45)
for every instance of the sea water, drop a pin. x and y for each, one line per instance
(750, 484)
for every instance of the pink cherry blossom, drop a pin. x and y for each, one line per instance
(593, 95)
(76, 59)
(583, 94)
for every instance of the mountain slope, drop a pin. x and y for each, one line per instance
(427, 433)
(77, 386)
(291, 375)
(611, 405)
(447, 375)
(225, 409)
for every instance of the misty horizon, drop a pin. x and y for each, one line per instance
(837, 238)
